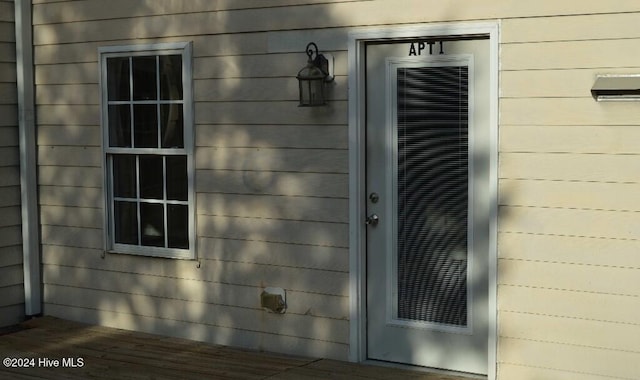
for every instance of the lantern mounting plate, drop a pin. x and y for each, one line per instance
(325, 61)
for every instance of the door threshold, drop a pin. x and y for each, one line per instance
(435, 371)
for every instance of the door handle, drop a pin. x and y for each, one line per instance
(372, 220)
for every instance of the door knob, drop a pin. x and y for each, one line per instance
(372, 220)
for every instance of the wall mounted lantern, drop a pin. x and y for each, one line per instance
(312, 78)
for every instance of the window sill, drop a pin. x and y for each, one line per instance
(165, 253)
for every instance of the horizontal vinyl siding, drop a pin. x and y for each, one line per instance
(200, 17)
(271, 189)
(569, 216)
(11, 272)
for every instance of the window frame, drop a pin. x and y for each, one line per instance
(184, 49)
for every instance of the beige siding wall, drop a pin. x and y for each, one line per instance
(271, 178)
(569, 242)
(11, 276)
(271, 182)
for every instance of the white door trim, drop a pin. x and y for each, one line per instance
(357, 150)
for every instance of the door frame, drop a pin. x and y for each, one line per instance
(357, 170)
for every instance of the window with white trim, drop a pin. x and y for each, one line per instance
(147, 117)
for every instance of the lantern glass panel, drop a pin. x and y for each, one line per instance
(312, 92)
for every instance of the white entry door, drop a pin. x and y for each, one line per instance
(428, 203)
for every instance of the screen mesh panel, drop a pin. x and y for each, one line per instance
(432, 175)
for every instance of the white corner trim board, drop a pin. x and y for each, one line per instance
(28, 158)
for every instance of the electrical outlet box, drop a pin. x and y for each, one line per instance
(274, 300)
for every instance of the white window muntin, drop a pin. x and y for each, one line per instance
(184, 50)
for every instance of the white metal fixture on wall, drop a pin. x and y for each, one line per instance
(616, 88)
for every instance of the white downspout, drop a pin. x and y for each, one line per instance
(28, 159)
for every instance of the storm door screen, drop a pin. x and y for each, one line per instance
(432, 198)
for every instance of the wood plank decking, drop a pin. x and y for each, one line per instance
(109, 353)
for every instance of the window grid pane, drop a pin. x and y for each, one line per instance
(152, 224)
(177, 221)
(124, 176)
(171, 125)
(151, 177)
(119, 125)
(145, 78)
(176, 178)
(126, 222)
(118, 69)
(145, 125)
(170, 68)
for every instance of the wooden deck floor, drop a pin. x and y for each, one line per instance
(108, 353)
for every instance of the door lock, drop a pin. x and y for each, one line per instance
(372, 220)
(374, 197)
